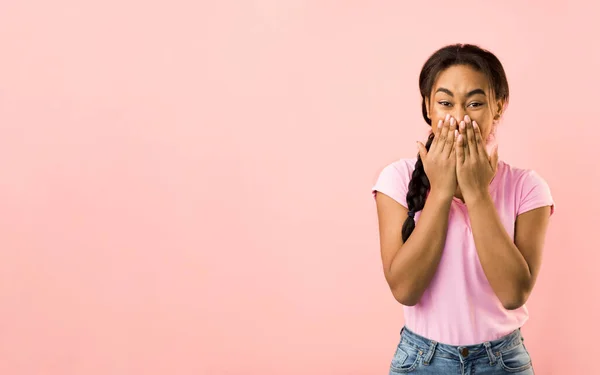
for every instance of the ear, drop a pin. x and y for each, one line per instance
(499, 109)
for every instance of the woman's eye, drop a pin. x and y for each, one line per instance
(445, 104)
(475, 105)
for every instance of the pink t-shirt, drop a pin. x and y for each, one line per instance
(459, 307)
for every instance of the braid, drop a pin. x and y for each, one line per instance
(417, 192)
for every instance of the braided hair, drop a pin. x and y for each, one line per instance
(456, 54)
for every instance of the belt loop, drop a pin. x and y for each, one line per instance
(491, 356)
(430, 352)
(520, 334)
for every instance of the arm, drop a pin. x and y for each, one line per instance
(409, 267)
(511, 268)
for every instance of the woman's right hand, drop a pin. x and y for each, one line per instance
(440, 161)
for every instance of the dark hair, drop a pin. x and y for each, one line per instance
(456, 54)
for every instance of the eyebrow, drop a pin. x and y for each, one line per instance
(470, 93)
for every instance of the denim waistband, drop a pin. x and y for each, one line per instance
(491, 349)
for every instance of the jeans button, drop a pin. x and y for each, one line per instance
(464, 352)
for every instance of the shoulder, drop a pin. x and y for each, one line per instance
(529, 188)
(394, 178)
(400, 169)
(518, 176)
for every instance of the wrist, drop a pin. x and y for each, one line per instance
(477, 198)
(440, 196)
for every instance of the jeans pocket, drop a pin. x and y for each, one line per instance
(406, 358)
(515, 359)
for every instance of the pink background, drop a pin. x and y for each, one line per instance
(185, 186)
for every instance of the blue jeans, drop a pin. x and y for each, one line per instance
(417, 355)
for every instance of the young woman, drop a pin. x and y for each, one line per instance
(461, 231)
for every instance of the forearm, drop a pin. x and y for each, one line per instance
(415, 263)
(502, 262)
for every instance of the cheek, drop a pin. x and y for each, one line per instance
(485, 132)
(485, 124)
(436, 116)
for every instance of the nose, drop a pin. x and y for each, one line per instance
(459, 114)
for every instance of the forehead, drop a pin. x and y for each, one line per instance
(460, 79)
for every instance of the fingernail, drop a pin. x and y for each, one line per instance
(455, 133)
(462, 125)
(467, 118)
(475, 124)
(452, 121)
(447, 116)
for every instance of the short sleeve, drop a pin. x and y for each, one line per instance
(393, 181)
(535, 193)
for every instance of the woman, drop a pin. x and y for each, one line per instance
(461, 231)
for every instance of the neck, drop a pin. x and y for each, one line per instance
(458, 193)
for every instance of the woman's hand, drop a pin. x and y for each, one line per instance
(475, 169)
(440, 161)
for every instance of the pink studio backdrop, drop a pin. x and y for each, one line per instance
(185, 186)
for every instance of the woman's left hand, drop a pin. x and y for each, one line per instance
(475, 169)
